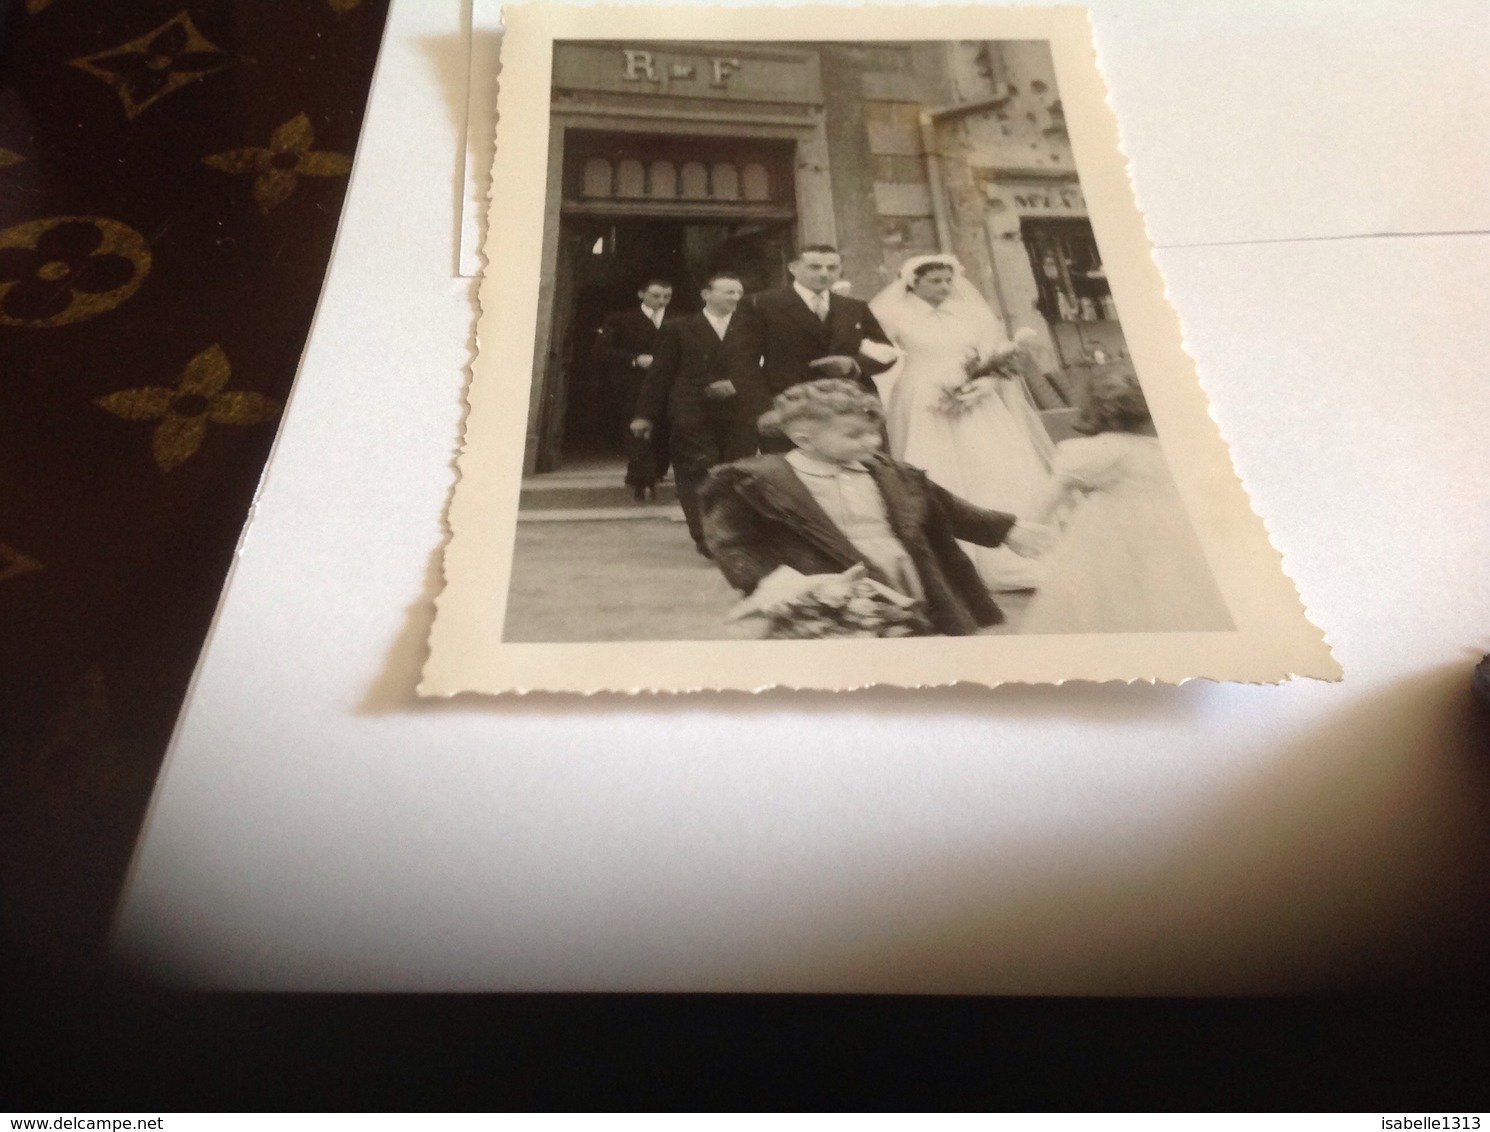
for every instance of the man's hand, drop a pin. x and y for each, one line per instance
(836, 365)
(642, 361)
(641, 429)
(721, 390)
(1029, 540)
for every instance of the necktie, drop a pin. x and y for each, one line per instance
(820, 306)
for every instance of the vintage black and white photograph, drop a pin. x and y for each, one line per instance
(828, 343)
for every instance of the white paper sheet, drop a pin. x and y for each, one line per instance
(316, 827)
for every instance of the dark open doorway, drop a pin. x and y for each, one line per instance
(603, 262)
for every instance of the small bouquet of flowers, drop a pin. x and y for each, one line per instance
(984, 371)
(799, 606)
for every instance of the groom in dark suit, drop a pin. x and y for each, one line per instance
(807, 331)
(705, 380)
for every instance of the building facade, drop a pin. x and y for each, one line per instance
(671, 160)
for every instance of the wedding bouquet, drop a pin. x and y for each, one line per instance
(984, 371)
(798, 606)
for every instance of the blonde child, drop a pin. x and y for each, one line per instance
(836, 500)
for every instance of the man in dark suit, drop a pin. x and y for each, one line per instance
(706, 381)
(807, 331)
(623, 350)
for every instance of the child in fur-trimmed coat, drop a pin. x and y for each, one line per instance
(835, 500)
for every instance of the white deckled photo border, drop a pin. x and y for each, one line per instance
(1273, 640)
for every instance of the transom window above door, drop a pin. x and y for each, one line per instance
(608, 171)
(665, 180)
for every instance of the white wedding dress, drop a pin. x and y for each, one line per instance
(997, 454)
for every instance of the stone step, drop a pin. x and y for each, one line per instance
(649, 513)
(577, 494)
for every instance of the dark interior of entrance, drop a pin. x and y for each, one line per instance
(608, 261)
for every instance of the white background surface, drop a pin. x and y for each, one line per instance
(316, 827)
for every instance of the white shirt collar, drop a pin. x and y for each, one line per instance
(812, 466)
(809, 297)
(720, 323)
(654, 316)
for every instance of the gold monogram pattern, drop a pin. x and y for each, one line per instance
(277, 169)
(184, 412)
(68, 268)
(121, 257)
(13, 563)
(158, 63)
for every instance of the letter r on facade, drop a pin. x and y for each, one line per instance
(640, 65)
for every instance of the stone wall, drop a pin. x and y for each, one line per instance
(995, 162)
(1014, 154)
(873, 101)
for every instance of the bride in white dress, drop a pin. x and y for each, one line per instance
(995, 452)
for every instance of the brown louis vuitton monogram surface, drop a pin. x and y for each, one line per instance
(171, 175)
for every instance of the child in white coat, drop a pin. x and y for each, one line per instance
(1128, 560)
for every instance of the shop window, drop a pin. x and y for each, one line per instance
(1068, 271)
(596, 178)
